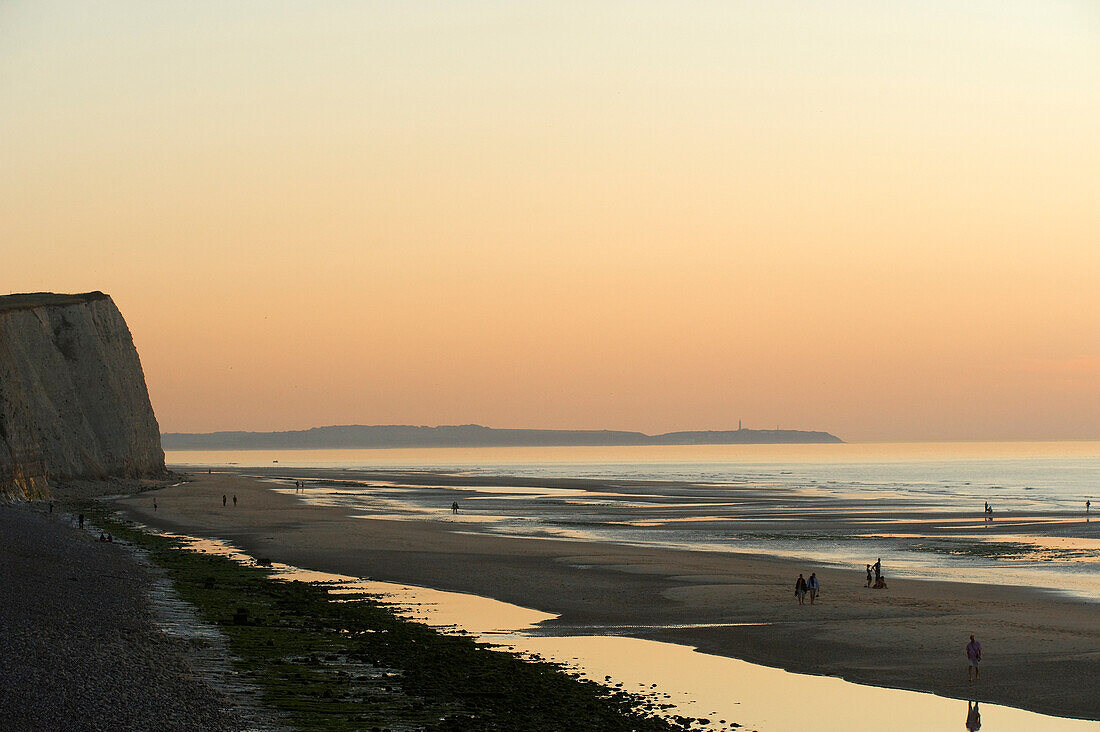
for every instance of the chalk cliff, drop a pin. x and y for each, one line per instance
(73, 400)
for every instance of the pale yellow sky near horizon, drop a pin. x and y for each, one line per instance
(880, 219)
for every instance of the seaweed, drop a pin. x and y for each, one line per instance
(326, 663)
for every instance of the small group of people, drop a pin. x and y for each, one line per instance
(454, 506)
(807, 587)
(988, 511)
(106, 538)
(878, 580)
(299, 486)
(226, 500)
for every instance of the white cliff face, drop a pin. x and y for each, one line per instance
(73, 400)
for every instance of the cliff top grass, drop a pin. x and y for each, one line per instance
(31, 300)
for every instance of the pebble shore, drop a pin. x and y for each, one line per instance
(79, 647)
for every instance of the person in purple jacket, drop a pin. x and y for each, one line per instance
(973, 657)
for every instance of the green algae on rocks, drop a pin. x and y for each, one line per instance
(327, 663)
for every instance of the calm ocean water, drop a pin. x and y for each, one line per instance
(919, 505)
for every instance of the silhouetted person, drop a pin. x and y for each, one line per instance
(870, 579)
(224, 499)
(880, 583)
(813, 587)
(51, 507)
(234, 500)
(973, 717)
(973, 658)
(80, 520)
(877, 566)
(454, 506)
(800, 589)
(154, 504)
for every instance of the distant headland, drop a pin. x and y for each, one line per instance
(472, 435)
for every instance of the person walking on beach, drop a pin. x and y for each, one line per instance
(234, 500)
(870, 579)
(224, 499)
(454, 506)
(813, 586)
(800, 590)
(973, 657)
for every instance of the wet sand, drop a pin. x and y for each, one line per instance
(1041, 652)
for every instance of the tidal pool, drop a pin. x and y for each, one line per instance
(715, 688)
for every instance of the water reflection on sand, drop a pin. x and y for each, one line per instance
(683, 681)
(925, 536)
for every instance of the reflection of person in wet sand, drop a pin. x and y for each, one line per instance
(454, 507)
(973, 717)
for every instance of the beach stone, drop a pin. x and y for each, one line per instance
(87, 655)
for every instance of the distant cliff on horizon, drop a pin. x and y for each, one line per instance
(472, 435)
(73, 400)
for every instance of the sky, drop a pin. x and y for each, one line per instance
(880, 219)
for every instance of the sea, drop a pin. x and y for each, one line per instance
(919, 507)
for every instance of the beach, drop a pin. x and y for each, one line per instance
(1042, 651)
(80, 644)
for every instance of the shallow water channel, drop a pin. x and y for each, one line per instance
(719, 689)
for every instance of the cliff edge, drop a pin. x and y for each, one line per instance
(73, 400)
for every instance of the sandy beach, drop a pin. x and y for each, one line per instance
(1042, 652)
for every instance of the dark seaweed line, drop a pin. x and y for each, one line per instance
(325, 663)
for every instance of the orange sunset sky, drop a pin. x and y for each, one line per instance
(880, 219)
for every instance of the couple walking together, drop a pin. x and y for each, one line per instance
(803, 587)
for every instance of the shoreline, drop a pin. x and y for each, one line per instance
(80, 632)
(903, 638)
